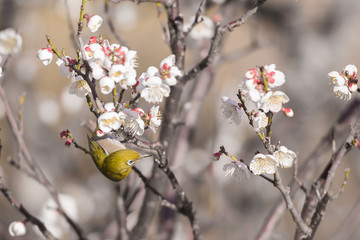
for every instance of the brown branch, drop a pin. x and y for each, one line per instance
(29, 217)
(219, 33)
(111, 24)
(121, 215)
(39, 175)
(309, 166)
(285, 191)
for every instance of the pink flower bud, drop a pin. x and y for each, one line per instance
(217, 155)
(288, 112)
(68, 142)
(64, 134)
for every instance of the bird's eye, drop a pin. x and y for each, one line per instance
(130, 162)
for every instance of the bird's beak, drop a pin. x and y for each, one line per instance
(144, 156)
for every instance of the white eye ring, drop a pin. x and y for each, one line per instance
(130, 162)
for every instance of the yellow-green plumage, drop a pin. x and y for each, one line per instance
(114, 166)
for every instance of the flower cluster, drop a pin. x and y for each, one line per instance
(258, 85)
(257, 90)
(268, 163)
(134, 121)
(105, 67)
(345, 83)
(260, 164)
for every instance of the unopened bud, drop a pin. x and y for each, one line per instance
(17, 228)
(288, 112)
(68, 142)
(64, 134)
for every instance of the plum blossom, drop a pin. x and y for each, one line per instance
(231, 110)
(237, 170)
(273, 101)
(262, 163)
(274, 77)
(79, 87)
(254, 82)
(260, 121)
(10, 41)
(65, 71)
(17, 228)
(154, 118)
(284, 157)
(94, 23)
(153, 90)
(109, 121)
(345, 83)
(168, 70)
(45, 55)
(133, 122)
(106, 85)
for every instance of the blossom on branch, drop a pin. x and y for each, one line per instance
(45, 55)
(231, 110)
(262, 164)
(79, 87)
(94, 23)
(237, 170)
(345, 83)
(109, 121)
(17, 229)
(10, 41)
(260, 121)
(273, 101)
(168, 70)
(284, 157)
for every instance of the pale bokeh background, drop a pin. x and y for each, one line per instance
(305, 39)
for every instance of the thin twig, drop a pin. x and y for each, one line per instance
(29, 217)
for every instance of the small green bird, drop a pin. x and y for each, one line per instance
(115, 166)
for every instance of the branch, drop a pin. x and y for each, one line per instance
(309, 166)
(219, 33)
(29, 217)
(285, 191)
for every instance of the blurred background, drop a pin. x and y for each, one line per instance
(305, 39)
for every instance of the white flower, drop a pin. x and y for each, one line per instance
(345, 83)
(274, 77)
(79, 87)
(106, 85)
(17, 228)
(117, 72)
(97, 71)
(10, 42)
(260, 121)
(133, 122)
(237, 170)
(169, 71)
(262, 163)
(273, 101)
(45, 55)
(94, 22)
(284, 157)
(94, 51)
(202, 30)
(65, 71)
(154, 89)
(154, 118)
(350, 71)
(109, 107)
(231, 110)
(109, 121)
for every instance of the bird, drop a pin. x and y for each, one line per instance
(115, 165)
